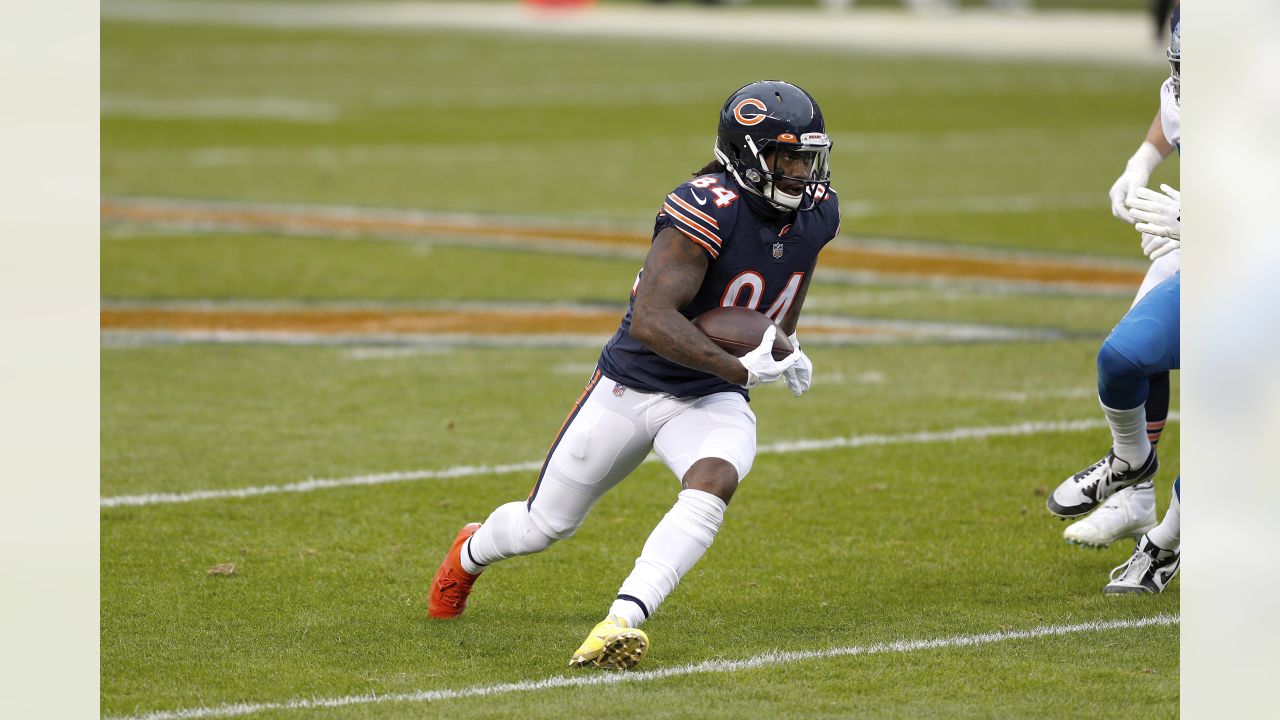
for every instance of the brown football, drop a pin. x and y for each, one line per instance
(739, 330)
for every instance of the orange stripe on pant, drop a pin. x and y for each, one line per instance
(577, 405)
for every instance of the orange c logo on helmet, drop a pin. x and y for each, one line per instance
(754, 118)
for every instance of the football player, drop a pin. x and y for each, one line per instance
(1132, 511)
(745, 231)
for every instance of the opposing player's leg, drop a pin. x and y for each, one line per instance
(710, 445)
(1168, 534)
(1157, 405)
(602, 440)
(1132, 512)
(1128, 514)
(1157, 556)
(1161, 269)
(1144, 343)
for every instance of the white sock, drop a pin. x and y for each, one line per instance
(508, 532)
(673, 547)
(1168, 534)
(1129, 434)
(627, 611)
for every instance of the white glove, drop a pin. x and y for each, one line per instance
(800, 376)
(1157, 246)
(1157, 213)
(760, 365)
(1136, 174)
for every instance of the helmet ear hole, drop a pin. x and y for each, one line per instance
(730, 150)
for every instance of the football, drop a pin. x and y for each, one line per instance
(738, 331)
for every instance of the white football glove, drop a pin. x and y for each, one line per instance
(800, 376)
(1136, 174)
(1160, 220)
(1157, 246)
(760, 365)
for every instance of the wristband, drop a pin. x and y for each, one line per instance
(1146, 158)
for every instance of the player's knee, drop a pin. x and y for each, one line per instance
(536, 541)
(543, 529)
(1114, 367)
(1143, 344)
(713, 475)
(518, 531)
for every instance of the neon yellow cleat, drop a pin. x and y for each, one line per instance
(612, 646)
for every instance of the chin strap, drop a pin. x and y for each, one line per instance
(758, 202)
(763, 207)
(791, 201)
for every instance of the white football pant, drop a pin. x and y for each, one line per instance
(607, 435)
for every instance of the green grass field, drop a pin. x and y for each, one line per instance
(827, 548)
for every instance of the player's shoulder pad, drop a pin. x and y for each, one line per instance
(830, 199)
(829, 207)
(703, 210)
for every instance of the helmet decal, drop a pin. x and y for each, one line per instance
(754, 118)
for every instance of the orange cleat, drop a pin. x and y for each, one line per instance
(451, 585)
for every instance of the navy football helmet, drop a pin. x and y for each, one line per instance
(772, 139)
(1175, 52)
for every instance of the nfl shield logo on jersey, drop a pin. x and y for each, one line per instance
(618, 389)
(777, 250)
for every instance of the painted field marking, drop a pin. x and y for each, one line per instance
(1063, 393)
(793, 446)
(768, 659)
(887, 259)
(534, 324)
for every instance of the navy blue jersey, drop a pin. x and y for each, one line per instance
(752, 263)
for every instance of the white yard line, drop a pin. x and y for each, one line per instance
(763, 660)
(1028, 396)
(314, 484)
(1067, 36)
(793, 446)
